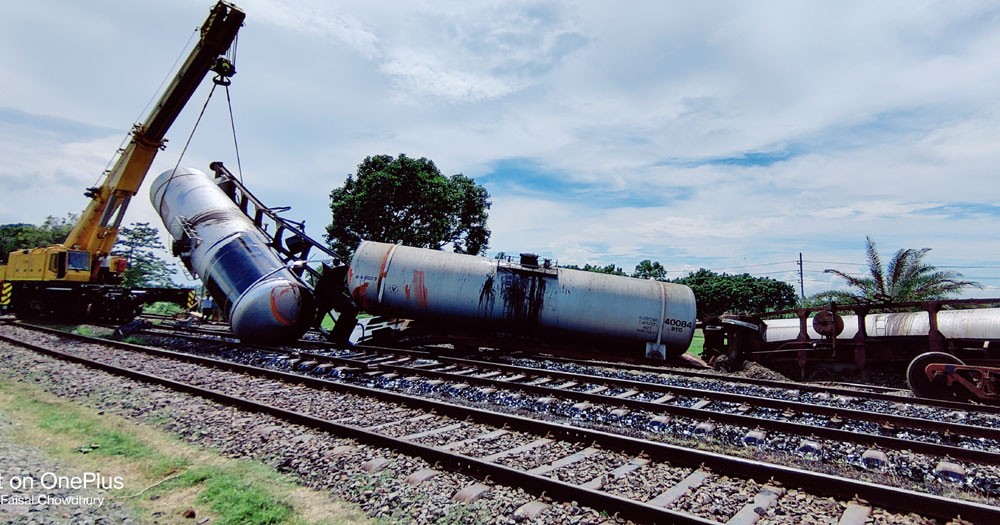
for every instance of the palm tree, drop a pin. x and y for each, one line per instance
(907, 278)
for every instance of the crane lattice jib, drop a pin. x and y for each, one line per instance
(97, 229)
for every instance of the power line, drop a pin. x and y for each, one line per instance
(957, 266)
(841, 263)
(750, 266)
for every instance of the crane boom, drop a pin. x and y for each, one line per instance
(76, 279)
(97, 228)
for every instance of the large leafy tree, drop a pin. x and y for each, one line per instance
(717, 294)
(650, 270)
(25, 236)
(906, 278)
(138, 243)
(408, 201)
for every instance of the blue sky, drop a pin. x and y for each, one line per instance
(729, 135)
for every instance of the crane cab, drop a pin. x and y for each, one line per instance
(59, 282)
(51, 263)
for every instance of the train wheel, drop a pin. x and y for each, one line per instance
(920, 384)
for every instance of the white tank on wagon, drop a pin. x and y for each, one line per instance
(526, 298)
(262, 298)
(977, 323)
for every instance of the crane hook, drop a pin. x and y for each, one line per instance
(225, 69)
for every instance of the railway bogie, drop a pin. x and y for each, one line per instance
(938, 375)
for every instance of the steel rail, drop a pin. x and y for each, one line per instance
(771, 383)
(473, 467)
(821, 484)
(801, 429)
(781, 404)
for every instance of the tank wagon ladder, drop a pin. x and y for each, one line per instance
(292, 245)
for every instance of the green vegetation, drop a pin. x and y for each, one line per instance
(646, 269)
(85, 330)
(717, 294)
(408, 201)
(163, 308)
(697, 343)
(328, 322)
(170, 476)
(610, 269)
(238, 495)
(53, 417)
(138, 243)
(905, 279)
(26, 236)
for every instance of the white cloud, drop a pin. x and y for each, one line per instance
(863, 117)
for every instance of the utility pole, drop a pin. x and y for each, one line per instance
(802, 286)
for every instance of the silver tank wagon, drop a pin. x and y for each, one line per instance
(527, 298)
(264, 301)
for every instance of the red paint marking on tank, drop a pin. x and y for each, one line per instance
(274, 306)
(383, 268)
(420, 288)
(360, 294)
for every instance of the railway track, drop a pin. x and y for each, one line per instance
(562, 461)
(650, 405)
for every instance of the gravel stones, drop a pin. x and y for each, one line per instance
(60, 505)
(321, 461)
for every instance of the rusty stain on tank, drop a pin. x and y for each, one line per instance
(419, 288)
(522, 295)
(486, 299)
(360, 294)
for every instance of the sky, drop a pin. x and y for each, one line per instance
(727, 135)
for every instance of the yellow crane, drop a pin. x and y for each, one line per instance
(79, 278)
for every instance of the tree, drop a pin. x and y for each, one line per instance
(644, 270)
(650, 270)
(610, 269)
(408, 201)
(26, 236)
(907, 278)
(145, 269)
(717, 294)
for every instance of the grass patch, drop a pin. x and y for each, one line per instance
(328, 322)
(54, 418)
(163, 308)
(697, 343)
(154, 463)
(237, 494)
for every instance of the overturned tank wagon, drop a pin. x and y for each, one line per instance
(264, 301)
(528, 298)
